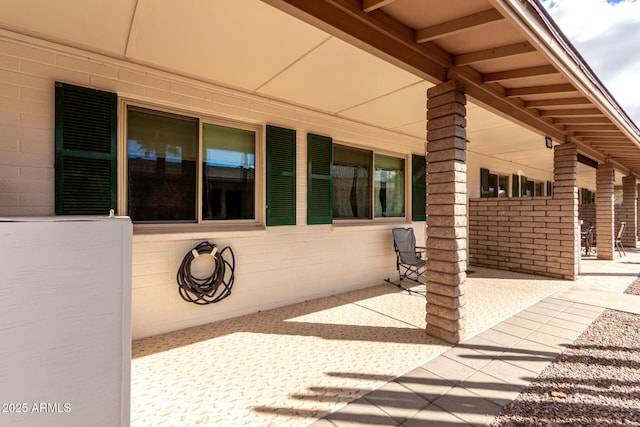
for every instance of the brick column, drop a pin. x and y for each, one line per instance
(605, 215)
(629, 212)
(565, 194)
(446, 211)
(638, 214)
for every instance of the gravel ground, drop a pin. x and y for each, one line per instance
(595, 382)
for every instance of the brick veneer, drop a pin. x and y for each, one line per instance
(446, 211)
(627, 211)
(530, 234)
(605, 213)
(526, 235)
(587, 214)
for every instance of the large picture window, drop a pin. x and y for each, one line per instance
(367, 185)
(166, 153)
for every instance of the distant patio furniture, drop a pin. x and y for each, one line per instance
(587, 240)
(618, 242)
(410, 260)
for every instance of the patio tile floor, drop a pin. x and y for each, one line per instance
(345, 361)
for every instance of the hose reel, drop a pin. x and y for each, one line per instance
(206, 275)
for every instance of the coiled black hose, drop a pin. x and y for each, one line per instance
(209, 289)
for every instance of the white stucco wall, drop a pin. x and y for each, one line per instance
(65, 316)
(275, 266)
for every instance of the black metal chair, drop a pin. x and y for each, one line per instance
(618, 242)
(410, 259)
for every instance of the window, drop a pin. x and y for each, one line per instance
(418, 187)
(161, 166)
(175, 168)
(388, 186)
(352, 190)
(166, 155)
(587, 197)
(352, 183)
(228, 172)
(531, 188)
(493, 184)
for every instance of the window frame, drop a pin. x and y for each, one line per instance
(199, 223)
(407, 186)
(497, 175)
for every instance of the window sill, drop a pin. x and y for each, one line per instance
(167, 232)
(359, 225)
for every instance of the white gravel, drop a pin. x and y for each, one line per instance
(595, 382)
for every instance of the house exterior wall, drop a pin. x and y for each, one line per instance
(274, 265)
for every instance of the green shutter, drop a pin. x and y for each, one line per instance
(523, 185)
(549, 188)
(281, 176)
(484, 182)
(515, 185)
(85, 151)
(418, 187)
(319, 180)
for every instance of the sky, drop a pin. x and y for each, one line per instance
(607, 35)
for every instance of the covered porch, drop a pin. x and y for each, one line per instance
(490, 85)
(297, 364)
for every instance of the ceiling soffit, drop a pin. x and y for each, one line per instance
(508, 53)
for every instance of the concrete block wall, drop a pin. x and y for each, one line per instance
(587, 214)
(275, 265)
(605, 211)
(528, 235)
(627, 212)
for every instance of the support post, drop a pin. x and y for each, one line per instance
(446, 211)
(605, 214)
(629, 212)
(565, 193)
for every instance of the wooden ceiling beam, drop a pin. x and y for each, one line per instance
(371, 5)
(581, 120)
(458, 25)
(603, 144)
(519, 73)
(556, 102)
(607, 135)
(539, 90)
(591, 127)
(496, 101)
(494, 53)
(575, 112)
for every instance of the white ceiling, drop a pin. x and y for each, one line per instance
(249, 45)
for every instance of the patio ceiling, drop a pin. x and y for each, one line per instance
(369, 61)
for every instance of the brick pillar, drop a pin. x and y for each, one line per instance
(446, 211)
(605, 215)
(638, 214)
(629, 212)
(565, 193)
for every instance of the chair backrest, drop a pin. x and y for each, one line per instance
(621, 230)
(405, 243)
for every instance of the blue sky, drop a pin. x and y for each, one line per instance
(607, 35)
